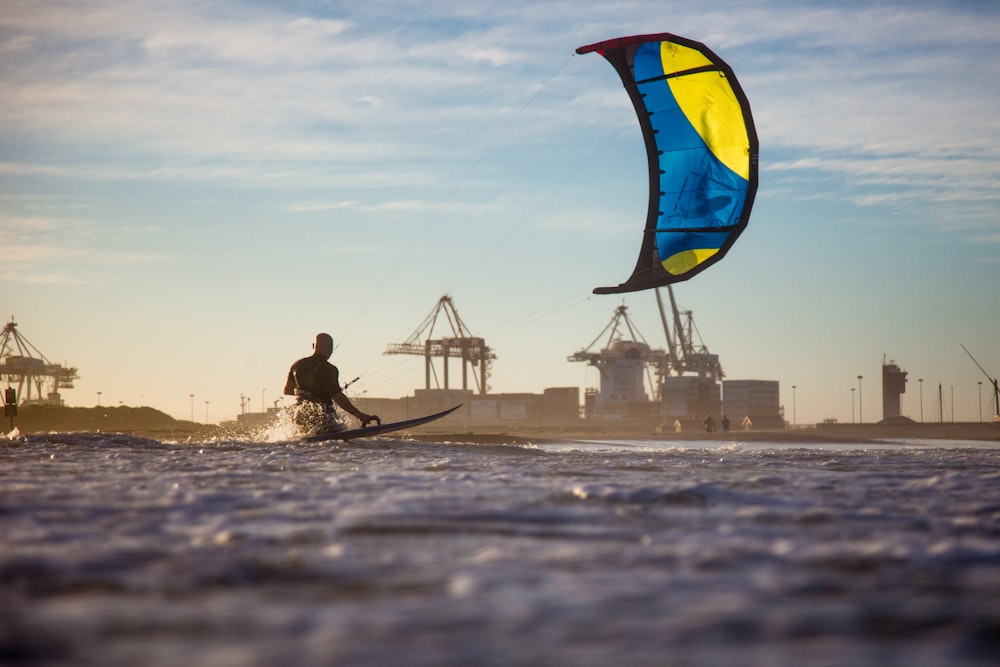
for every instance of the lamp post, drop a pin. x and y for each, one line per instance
(940, 403)
(794, 415)
(98, 399)
(921, 381)
(861, 419)
(206, 412)
(191, 396)
(979, 405)
(852, 405)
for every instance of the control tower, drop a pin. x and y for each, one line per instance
(893, 387)
(23, 364)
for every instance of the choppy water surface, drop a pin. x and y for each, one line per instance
(119, 550)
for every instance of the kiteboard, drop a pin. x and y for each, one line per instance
(379, 429)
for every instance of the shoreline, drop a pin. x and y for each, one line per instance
(805, 435)
(148, 422)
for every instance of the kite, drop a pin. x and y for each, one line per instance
(701, 148)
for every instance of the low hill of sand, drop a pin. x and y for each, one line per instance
(123, 419)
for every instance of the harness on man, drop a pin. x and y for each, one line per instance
(314, 411)
(308, 386)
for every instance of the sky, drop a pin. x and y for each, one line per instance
(190, 191)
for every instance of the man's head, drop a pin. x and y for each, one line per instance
(323, 345)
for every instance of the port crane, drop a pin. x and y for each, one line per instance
(684, 355)
(626, 358)
(475, 355)
(623, 358)
(22, 363)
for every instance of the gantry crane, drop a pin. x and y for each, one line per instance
(685, 356)
(687, 376)
(21, 362)
(622, 362)
(692, 388)
(472, 350)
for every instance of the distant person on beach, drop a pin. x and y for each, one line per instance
(315, 383)
(725, 424)
(709, 424)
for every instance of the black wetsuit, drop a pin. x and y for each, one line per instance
(315, 379)
(316, 382)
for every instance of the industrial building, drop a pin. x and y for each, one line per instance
(642, 388)
(753, 403)
(685, 378)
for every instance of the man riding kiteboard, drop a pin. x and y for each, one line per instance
(315, 383)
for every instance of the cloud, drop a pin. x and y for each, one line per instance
(314, 206)
(391, 206)
(493, 56)
(31, 245)
(264, 41)
(13, 276)
(390, 95)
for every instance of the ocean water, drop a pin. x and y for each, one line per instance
(121, 550)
